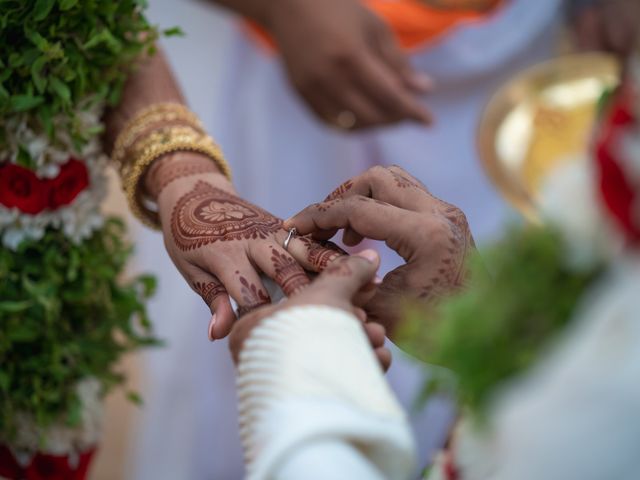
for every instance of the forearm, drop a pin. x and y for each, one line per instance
(151, 82)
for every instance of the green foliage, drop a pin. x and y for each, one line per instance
(500, 325)
(56, 53)
(65, 316)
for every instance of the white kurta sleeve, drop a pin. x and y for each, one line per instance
(314, 402)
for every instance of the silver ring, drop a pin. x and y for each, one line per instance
(292, 233)
(346, 120)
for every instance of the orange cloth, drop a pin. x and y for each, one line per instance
(414, 23)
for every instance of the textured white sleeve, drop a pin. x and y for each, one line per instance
(309, 385)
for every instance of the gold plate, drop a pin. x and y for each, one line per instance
(540, 119)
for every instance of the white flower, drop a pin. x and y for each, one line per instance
(568, 201)
(60, 439)
(78, 220)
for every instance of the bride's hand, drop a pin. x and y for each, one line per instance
(388, 204)
(220, 243)
(346, 284)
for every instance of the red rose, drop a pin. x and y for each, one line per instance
(43, 466)
(618, 192)
(19, 187)
(72, 179)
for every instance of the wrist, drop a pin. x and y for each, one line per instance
(180, 166)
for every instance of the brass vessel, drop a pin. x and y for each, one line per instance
(540, 119)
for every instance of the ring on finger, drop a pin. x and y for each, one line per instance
(292, 233)
(346, 120)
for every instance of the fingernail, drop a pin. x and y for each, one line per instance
(377, 280)
(370, 255)
(212, 324)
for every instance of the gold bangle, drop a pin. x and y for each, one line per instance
(161, 114)
(158, 143)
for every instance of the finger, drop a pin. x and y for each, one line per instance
(279, 265)
(392, 185)
(400, 173)
(367, 113)
(397, 60)
(383, 87)
(368, 217)
(222, 318)
(384, 357)
(589, 30)
(385, 306)
(244, 285)
(376, 334)
(351, 238)
(360, 314)
(314, 255)
(618, 36)
(346, 276)
(325, 106)
(214, 296)
(209, 288)
(366, 293)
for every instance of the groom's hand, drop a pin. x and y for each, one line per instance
(388, 204)
(347, 284)
(221, 243)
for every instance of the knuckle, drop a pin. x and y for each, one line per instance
(376, 173)
(438, 231)
(350, 203)
(340, 58)
(397, 168)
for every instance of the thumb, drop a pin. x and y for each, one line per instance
(346, 276)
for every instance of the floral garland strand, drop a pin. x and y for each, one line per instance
(65, 188)
(66, 313)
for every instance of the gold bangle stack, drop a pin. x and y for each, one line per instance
(156, 131)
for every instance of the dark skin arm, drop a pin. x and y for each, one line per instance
(607, 25)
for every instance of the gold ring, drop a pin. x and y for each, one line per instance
(346, 120)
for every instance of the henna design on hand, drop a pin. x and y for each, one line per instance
(208, 214)
(326, 205)
(321, 253)
(167, 169)
(209, 291)
(402, 180)
(451, 273)
(288, 273)
(341, 190)
(252, 296)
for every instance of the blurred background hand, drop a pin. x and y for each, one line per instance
(346, 64)
(607, 25)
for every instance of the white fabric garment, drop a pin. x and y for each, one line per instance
(585, 395)
(308, 378)
(575, 415)
(283, 159)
